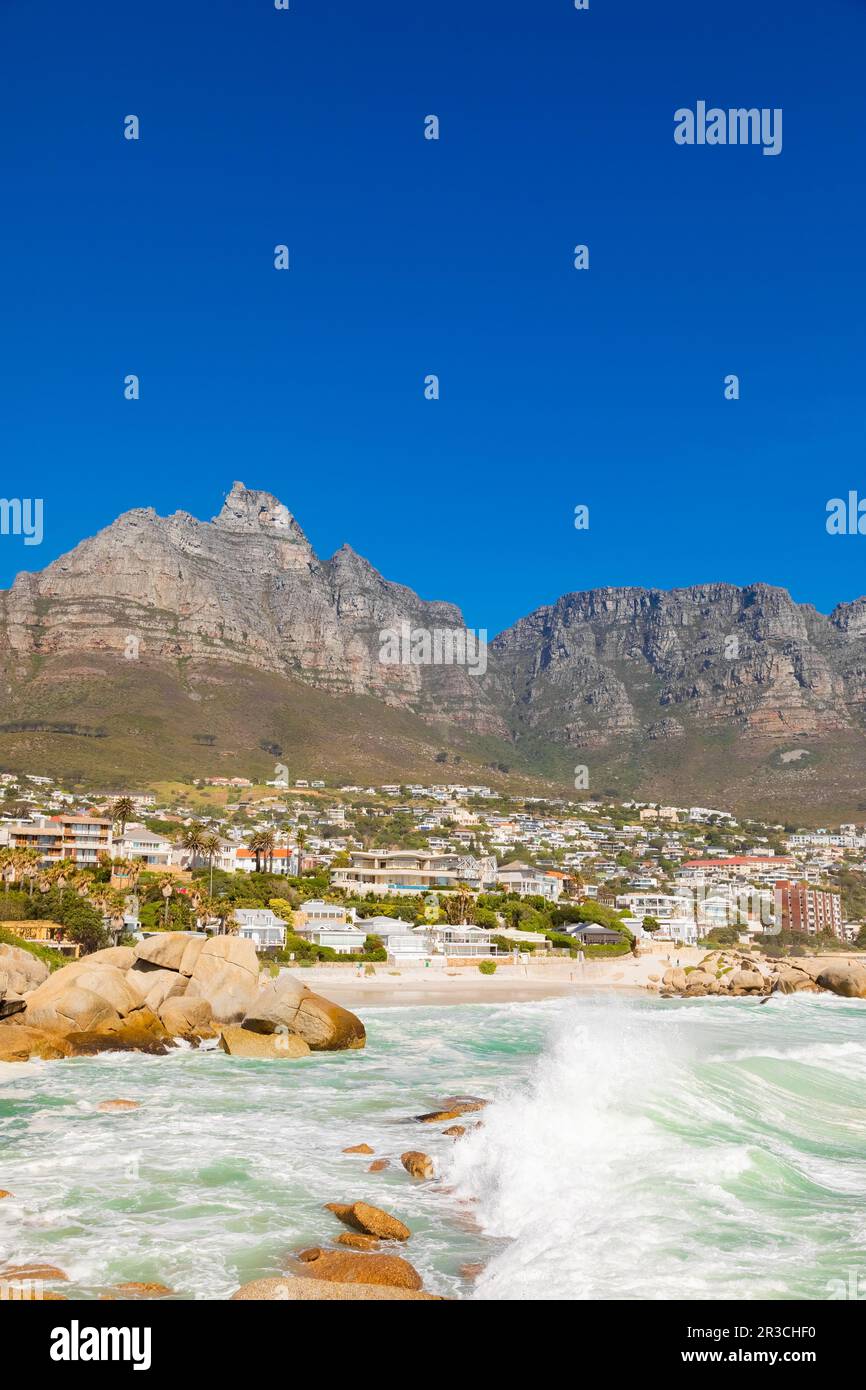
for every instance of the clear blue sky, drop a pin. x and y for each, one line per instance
(411, 257)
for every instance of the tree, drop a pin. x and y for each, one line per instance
(121, 811)
(256, 843)
(458, 906)
(192, 838)
(166, 888)
(83, 923)
(211, 845)
(651, 924)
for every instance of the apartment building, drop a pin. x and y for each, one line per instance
(79, 839)
(809, 910)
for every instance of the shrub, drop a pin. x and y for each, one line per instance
(487, 967)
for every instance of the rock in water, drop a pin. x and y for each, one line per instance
(418, 1164)
(323, 1290)
(239, 1042)
(285, 1002)
(371, 1221)
(145, 1290)
(18, 1043)
(355, 1241)
(347, 1267)
(847, 980)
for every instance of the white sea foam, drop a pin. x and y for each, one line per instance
(634, 1148)
(651, 1154)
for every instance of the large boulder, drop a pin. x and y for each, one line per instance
(286, 1003)
(746, 981)
(170, 985)
(240, 1042)
(121, 956)
(276, 1005)
(18, 1043)
(94, 1007)
(226, 974)
(349, 1267)
(328, 1027)
(187, 1018)
(73, 1009)
(165, 949)
(849, 980)
(140, 1030)
(791, 980)
(23, 970)
(81, 996)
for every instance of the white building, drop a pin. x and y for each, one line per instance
(518, 877)
(140, 843)
(261, 926)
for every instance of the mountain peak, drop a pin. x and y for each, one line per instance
(247, 509)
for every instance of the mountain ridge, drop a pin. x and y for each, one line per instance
(606, 676)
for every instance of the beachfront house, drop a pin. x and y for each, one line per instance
(461, 940)
(593, 934)
(262, 926)
(403, 942)
(330, 924)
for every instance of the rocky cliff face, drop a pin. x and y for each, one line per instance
(245, 587)
(645, 662)
(630, 671)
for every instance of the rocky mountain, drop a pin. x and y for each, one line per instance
(207, 642)
(244, 588)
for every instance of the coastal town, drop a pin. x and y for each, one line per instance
(413, 875)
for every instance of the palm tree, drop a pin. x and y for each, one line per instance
(211, 845)
(459, 906)
(300, 841)
(121, 811)
(192, 839)
(166, 888)
(256, 843)
(31, 867)
(269, 844)
(81, 882)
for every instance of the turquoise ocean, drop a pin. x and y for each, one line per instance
(633, 1148)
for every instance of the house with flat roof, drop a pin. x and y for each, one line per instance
(394, 871)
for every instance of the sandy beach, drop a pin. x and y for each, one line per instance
(418, 984)
(512, 983)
